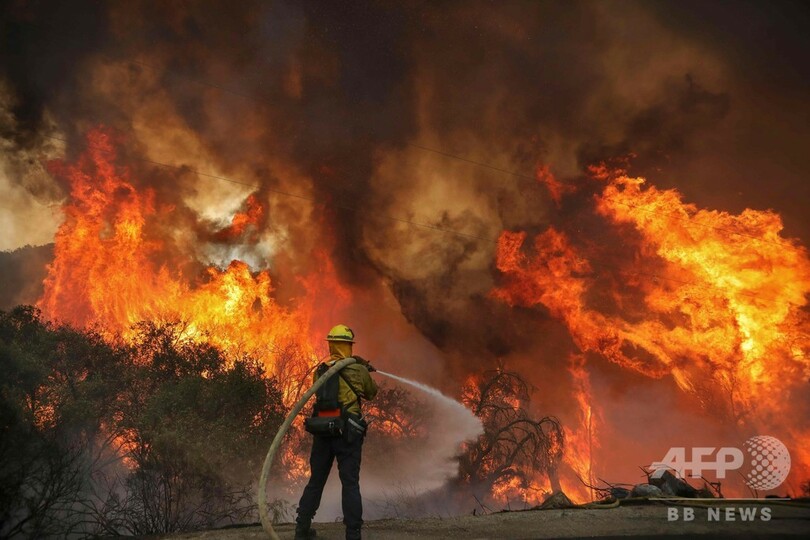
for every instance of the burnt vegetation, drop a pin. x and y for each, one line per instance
(515, 446)
(503, 466)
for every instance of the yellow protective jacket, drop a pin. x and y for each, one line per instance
(358, 375)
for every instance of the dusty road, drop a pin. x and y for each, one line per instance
(625, 521)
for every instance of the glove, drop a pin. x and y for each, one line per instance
(362, 361)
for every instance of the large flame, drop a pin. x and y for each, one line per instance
(114, 266)
(713, 299)
(582, 437)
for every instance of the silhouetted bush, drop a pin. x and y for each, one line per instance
(98, 436)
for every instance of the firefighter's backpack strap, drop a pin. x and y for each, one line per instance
(354, 391)
(326, 397)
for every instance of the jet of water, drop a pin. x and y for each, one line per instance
(444, 400)
(452, 424)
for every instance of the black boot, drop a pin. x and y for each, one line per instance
(352, 534)
(304, 530)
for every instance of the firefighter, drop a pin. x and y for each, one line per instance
(354, 385)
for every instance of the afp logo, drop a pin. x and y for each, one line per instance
(768, 464)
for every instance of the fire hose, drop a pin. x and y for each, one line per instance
(267, 523)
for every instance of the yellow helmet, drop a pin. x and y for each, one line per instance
(341, 332)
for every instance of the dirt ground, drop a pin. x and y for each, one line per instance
(639, 521)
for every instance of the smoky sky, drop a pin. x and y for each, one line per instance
(329, 99)
(766, 39)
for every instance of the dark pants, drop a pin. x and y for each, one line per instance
(324, 452)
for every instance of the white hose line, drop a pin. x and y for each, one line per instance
(267, 523)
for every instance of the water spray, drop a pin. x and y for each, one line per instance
(468, 423)
(444, 400)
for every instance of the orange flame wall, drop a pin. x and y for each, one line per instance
(711, 304)
(712, 299)
(106, 269)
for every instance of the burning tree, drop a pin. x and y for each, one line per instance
(515, 447)
(714, 300)
(396, 413)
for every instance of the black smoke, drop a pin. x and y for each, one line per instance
(333, 97)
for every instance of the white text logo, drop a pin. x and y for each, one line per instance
(769, 462)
